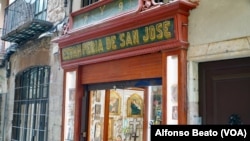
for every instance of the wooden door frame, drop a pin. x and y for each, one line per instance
(182, 83)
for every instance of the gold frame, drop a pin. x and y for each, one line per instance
(138, 99)
(114, 99)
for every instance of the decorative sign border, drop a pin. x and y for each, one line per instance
(156, 32)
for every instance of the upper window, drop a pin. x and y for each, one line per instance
(30, 114)
(41, 9)
(88, 2)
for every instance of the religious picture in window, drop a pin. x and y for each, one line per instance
(97, 96)
(72, 94)
(135, 106)
(114, 103)
(175, 112)
(71, 104)
(157, 109)
(70, 128)
(97, 133)
(174, 93)
(97, 111)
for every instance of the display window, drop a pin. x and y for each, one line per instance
(124, 113)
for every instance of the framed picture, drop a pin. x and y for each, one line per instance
(174, 93)
(97, 96)
(175, 112)
(114, 103)
(135, 106)
(97, 132)
(72, 94)
(98, 109)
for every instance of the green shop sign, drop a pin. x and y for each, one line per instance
(160, 31)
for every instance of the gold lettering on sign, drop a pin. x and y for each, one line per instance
(102, 9)
(167, 34)
(77, 51)
(71, 53)
(143, 35)
(100, 46)
(120, 5)
(128, 39)
(146, 36)
(89, 47)
(135, 34)
(86, 48)
(152, 32)
(113, 44)
(84, 52)
(122, 40)
(85, 19)
(92, 47)
(159, 31)
(110, 43)
(65, 54)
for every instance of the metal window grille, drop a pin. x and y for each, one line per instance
(30, 114)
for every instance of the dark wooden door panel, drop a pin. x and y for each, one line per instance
(231, 96)
(225, 90)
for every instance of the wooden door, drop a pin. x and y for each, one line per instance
(225, 91)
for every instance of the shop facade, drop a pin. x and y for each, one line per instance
(125, 69)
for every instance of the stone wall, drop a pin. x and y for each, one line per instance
(35, 53)
(40, 52)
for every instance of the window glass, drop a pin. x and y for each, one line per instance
(41, 9)
(70, 92)
(126, 114)
(155, 104)
(126, 110)
(96, 114)
(172, 89)
(88, 2)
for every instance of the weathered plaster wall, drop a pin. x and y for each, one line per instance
(40, 52)
(214, 21)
